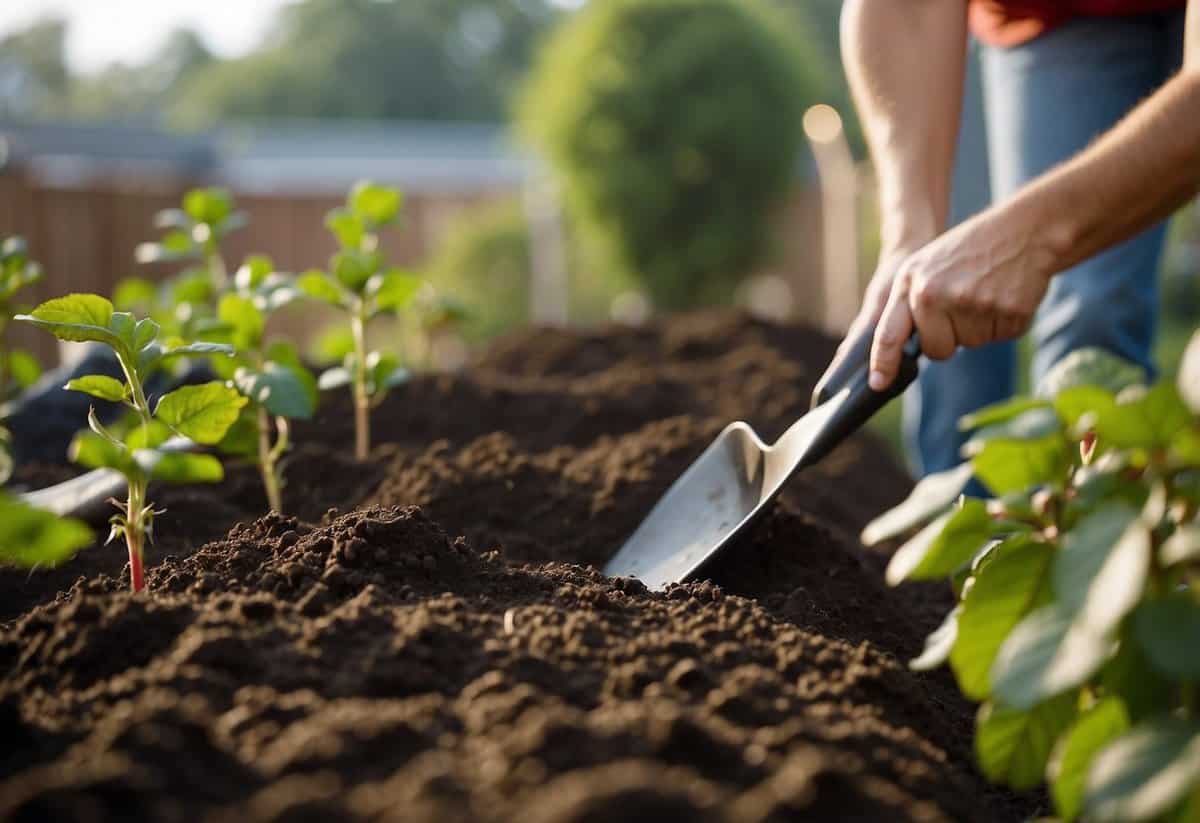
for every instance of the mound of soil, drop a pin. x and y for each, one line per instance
(444, 649)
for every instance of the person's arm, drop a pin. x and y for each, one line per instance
(983, 280)
(905, 62)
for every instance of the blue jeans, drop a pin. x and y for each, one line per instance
(1043, 102)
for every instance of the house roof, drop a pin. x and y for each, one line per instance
(272, 156)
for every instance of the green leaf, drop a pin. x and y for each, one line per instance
(1007, 466)
(204, 412)
(319, 286)
(149, 435)
(1150, 419)
(135, 294)
(1145, 772)
(78, 318)
(172, 219)
(180, 467)
(942, 546)
(1034, 424)
(1014, 582)
(1078, 405)
(1168, 629)
(144, 333)
(199, 350)
(1046, 654)
(938, 644)
(246, 321)
(332, 345)
(1182, 546)
(347, 227)
(253, 272)
(393, 290)
(284, 391)
(1131, 676)
(193, 286)
(208, 205)
(1073, 756)
(242, 438)
(1101, 571)
(1090, 367)
(378, 205)
(1013, 745)
(929, 497)
(353, 269)
(92, 451)
(31, 537)
(24, 368)
(99, 385)
(284, 353)
(1000, 412)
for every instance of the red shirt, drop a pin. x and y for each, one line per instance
(1012, 22)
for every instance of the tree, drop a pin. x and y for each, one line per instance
(411, 59)
(674, 126)
(34, 78)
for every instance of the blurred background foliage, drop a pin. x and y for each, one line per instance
(674, 127)
(402, 59)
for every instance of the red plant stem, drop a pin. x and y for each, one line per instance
(135, 565)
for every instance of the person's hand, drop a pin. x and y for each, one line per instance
(980, 282)
(874, 301)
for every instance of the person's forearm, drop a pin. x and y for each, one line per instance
(1129, 179)
(905, 63)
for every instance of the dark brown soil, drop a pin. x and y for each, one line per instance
(443, 651)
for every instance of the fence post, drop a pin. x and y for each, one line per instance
(548, 298)
(838, 180)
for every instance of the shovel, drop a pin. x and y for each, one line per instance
(736, 477)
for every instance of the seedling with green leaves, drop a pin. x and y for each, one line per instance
(202, 413)
(18, 368)
(270, 376)
(185, 302)
(362, 285)
(1078, 621)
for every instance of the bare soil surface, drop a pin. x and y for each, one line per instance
(426, 636)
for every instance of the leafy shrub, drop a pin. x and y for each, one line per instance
(674, 126)
(486, 258)
(18, 368)
(361, 284)
(202, 413)
(1078, 621)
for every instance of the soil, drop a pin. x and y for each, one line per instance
(426, 637)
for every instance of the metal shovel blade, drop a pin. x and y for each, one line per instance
(718, 496)
(737, 476)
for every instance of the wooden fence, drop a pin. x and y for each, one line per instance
(85, 235)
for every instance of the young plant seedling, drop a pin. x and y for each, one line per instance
(1078, 621)
(270, 376)
(202, 413)
(363, 286)
(18, 368)
(185, 303)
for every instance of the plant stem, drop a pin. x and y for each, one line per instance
(216, 265)
(134, 531)
(362, 405)
(135, 504)
(266, 461)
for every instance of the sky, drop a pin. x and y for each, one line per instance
(103, 31)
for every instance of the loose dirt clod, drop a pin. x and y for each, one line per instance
(373, 665)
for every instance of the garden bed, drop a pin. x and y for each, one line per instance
(423, 639)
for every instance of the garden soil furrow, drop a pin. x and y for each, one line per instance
(426, 637)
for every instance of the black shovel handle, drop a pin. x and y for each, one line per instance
(862, 402)
(856, 366)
